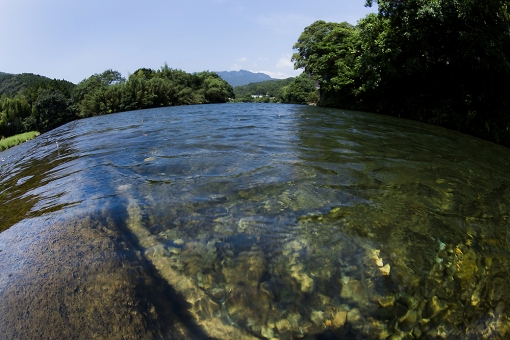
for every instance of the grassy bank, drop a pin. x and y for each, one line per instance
(17, 139)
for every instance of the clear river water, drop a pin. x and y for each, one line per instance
(254, 221)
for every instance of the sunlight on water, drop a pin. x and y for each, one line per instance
(255, 221)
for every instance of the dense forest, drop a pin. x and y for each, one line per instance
(299, 90)
(442, 62)
(30, 102)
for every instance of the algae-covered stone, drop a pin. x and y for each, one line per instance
(407, 300)
(339, 319)
(294, 319)
(354, 290)
(385, 301)
(283, 325)
(267, 332)
(467, 267)
(355, 319)
(434, 307)
(409, 320)
(317, 317)
(306, 282)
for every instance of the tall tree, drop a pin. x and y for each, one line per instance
(327, 52)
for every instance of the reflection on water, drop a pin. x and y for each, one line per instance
(256, 221)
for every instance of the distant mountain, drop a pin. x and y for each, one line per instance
(243, 77)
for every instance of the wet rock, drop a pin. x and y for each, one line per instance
(497, 289)
(339, 319)
(409, 320)
(247, 268)
(317, 317)
(384, 301)
(503, 327)
(305, 281)
(387, 313)
(294, 319)
(400, 309)
(375, 329)
(283, 326)
(354, 290)
(396, 337)
(206, 308)
(271, 321)
(267, 332)
(385, 270)
(218, 293)
(467, 266)
(407, 300)
(425, 325)
(434, 307)
(245, 302)
(374, 256)
(417, 332)
(355, 319)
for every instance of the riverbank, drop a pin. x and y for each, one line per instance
(9, 142)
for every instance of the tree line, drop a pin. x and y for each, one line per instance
(299, 90)
(442, 62)
(30, 102)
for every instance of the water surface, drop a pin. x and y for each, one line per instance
(254, 221)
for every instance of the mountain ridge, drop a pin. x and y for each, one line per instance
(243, 77)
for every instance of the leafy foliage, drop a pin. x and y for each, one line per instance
(12, 84)
(299, 90)
(268, 88)
(443, 62)
(302, 90)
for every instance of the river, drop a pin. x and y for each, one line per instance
(254, 221)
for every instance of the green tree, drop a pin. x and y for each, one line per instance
(89, 93)
(216, 89)
(302, 90)
(444, 62)
(13, 112)
(327, 51)
(51, 109)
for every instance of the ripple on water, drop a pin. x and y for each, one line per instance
(311, 222)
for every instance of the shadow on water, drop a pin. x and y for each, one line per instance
(170, 306)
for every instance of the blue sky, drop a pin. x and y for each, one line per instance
(68, 39)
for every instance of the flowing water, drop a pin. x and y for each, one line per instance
(246, 221)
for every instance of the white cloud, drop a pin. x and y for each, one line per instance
(284, 68)
(279, 75)
(285, 62)
(243, 59)
(235, 67)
